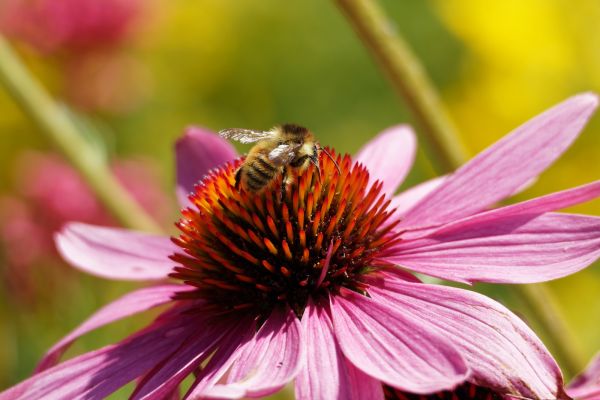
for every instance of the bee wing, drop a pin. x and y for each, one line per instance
(283, 154)
(246, 135)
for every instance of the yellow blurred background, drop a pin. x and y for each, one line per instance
(240, 63)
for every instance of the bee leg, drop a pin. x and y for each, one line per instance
(238, 178)
(284, 179)
(315, 161)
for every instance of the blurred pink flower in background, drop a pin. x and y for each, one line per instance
(88, 39)
(50, 193)
(113, 82)
(71, 26)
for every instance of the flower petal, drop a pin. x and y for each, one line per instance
(389, 156)
(505, 166)
(534, 207)
(217, 367)
(130, 304)
(265, 364)
(502, 352)
(167, 375)
(394, 347)
(115, 253)
(197, 152)
(274, 358)
(406, 200)
(512, 244)
(97, 374)
(515, 249)
(587, 385)
(327, 374)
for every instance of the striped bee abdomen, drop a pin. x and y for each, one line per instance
(260, 172)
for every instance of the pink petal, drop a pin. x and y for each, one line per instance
(197, 152)
(167, 376)
(587, 385)
(327, 374)
(217, 367)
(274, 358)
(514, 249)
(389, 156)
(501, 351)
(505, 166)
(395, 347)
(97, 374)
(406, 200)
(218, 392)
(534, 207)
(115, 253)
(130, 304)
(509, 244)
(265, 364)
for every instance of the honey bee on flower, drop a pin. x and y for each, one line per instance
(283, 151)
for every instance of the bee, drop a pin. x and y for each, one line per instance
(283, 150)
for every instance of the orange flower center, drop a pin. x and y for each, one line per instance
(312, 236)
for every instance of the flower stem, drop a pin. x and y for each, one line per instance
(57, 125)
(540, 299)
(409, 80)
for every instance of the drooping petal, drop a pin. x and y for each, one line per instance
(265, 364)
(197, 152)
(97, 374)
(167, 376)
(274, 358)
(389, 156)
(217, 367)
(115, 253)
(501, 351)
(512, 244)
(394, 347)
(406, 200)
(586, 386)
(505, 166)
(534, 207)
(327, 374)
(130, 304)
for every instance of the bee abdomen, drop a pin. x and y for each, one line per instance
(260, 173)
(264, 167)
(254, 185)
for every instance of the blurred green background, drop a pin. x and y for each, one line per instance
(240, 63)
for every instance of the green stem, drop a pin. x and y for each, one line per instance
(60, 129)
(409, 80)
(539, 298)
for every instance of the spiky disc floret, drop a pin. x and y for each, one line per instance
(251, 251)
(466, 391)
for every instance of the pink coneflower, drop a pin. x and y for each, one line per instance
(48, 194)
(586, 386)
(69, 25)
(305, 285)
(87, 38)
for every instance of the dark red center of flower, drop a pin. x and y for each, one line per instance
(314, 235)
(466, 391)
